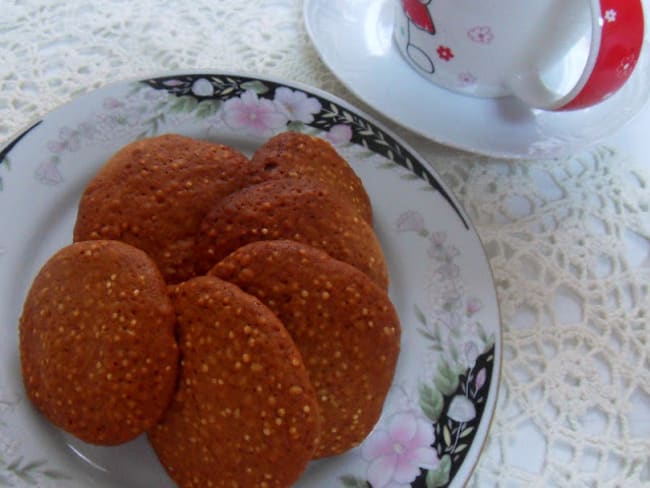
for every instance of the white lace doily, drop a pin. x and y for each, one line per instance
(568, 240)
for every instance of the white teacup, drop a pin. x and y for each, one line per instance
(494, 48)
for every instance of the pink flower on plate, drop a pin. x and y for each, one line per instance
(397, 452)
(111, 103)
(252, 114)
(339, 134)
(296, 105)
(474, 305)
(410, 221)
(481, 34)
(48, 172)
(69, 140)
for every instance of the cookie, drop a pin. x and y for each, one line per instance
(153, 193)
(98, 353)
(292, 209)
(343, 324)
(296, 155)
(245, 413)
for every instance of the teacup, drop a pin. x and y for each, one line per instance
(495, 48)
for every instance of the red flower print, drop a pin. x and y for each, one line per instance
(445, 53)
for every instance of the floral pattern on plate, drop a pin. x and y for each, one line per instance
(437, 411)
(421, 443)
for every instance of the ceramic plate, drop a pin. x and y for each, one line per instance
(354, 39)
(438, 411)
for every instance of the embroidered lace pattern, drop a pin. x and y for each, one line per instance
(568, 240)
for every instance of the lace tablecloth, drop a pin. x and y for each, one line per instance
(568, 240)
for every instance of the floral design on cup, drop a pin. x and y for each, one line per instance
(610, 15)
(465, 29)
(445, 52)
(481, 34)
(466, 79)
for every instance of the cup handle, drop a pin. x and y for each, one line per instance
(617, 37)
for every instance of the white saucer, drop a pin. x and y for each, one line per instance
(354, 39)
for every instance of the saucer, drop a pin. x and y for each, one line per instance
(354, 39)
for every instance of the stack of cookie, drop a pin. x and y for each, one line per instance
(233, 309)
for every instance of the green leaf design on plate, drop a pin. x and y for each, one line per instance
(184, 103)
(446, 380)
(30, 472)
(439, 476)
(388, 165)
(446, 435)
(466, 432)
(352, 482)
(488, 341)
(256, 85)
(431, 402)
(207, 108)
(420, 315)
(296, 126)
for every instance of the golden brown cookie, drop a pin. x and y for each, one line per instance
(296, 155)
(153, 194)
(245, 413)
(98, 352)
(292, 209)
(343, 324)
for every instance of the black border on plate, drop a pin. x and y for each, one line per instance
(364, 132)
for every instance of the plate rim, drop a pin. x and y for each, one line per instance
(451, 199)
